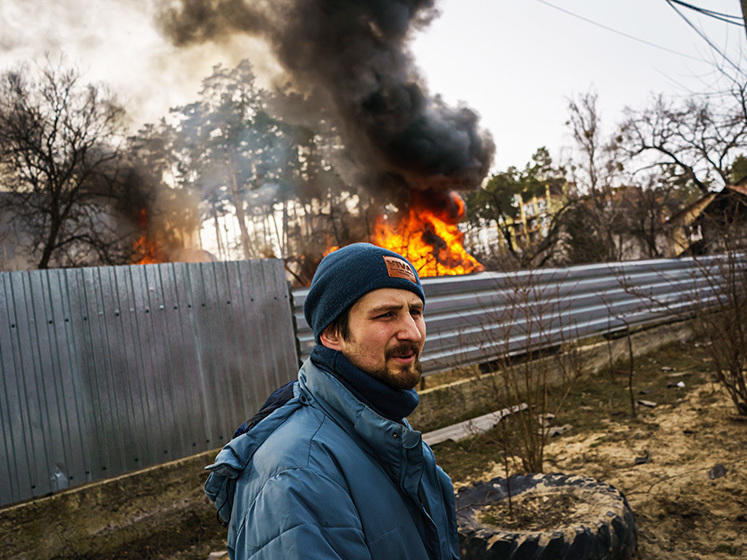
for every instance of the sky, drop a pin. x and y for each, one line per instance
(517, 63)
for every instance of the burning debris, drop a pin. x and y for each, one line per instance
(166, 225)
(428, 236)
(351, 61)
(145, 250)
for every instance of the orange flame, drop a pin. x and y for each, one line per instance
(428, 236)
(145, 247)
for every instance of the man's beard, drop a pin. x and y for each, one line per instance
(405, 377)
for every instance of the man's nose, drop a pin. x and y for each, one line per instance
(409, 329)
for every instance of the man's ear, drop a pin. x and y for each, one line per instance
(331, 338)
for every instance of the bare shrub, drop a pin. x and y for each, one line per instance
(721, 323)
(532, 331)
(714, 296)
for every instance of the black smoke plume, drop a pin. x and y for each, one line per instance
(354, 57)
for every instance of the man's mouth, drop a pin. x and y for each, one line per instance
(403, 354)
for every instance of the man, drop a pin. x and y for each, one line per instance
(335, 471)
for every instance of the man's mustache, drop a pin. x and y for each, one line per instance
(403, 350)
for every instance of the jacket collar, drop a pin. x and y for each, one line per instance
(394, 404)
(396, 446)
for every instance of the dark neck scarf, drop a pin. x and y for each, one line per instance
(391, 403)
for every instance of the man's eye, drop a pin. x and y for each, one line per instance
(385, 315)
(416, 312)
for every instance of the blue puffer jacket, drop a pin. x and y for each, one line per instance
(325, 477)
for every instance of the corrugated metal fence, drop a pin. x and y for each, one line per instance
(478, 318)
(108, 370)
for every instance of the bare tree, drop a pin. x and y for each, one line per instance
(693, 141)
(595, 221)
(645, 209)
(622, 207)
(58, 160)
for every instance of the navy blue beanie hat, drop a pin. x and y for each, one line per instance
(347, 274)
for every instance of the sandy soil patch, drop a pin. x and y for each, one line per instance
(690, 496)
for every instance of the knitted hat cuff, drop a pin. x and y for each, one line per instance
(347, 274)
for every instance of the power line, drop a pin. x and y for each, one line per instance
(702, 35)
(649, 43)
(719, 18)
(735, 20)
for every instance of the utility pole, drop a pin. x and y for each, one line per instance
(744, 14)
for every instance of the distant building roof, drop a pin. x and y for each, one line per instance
(690, 213)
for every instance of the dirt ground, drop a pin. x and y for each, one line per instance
(682, 464)
(681, 511)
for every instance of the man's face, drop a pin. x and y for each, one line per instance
(386, 333)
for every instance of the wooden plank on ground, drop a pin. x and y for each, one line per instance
(483, 423)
